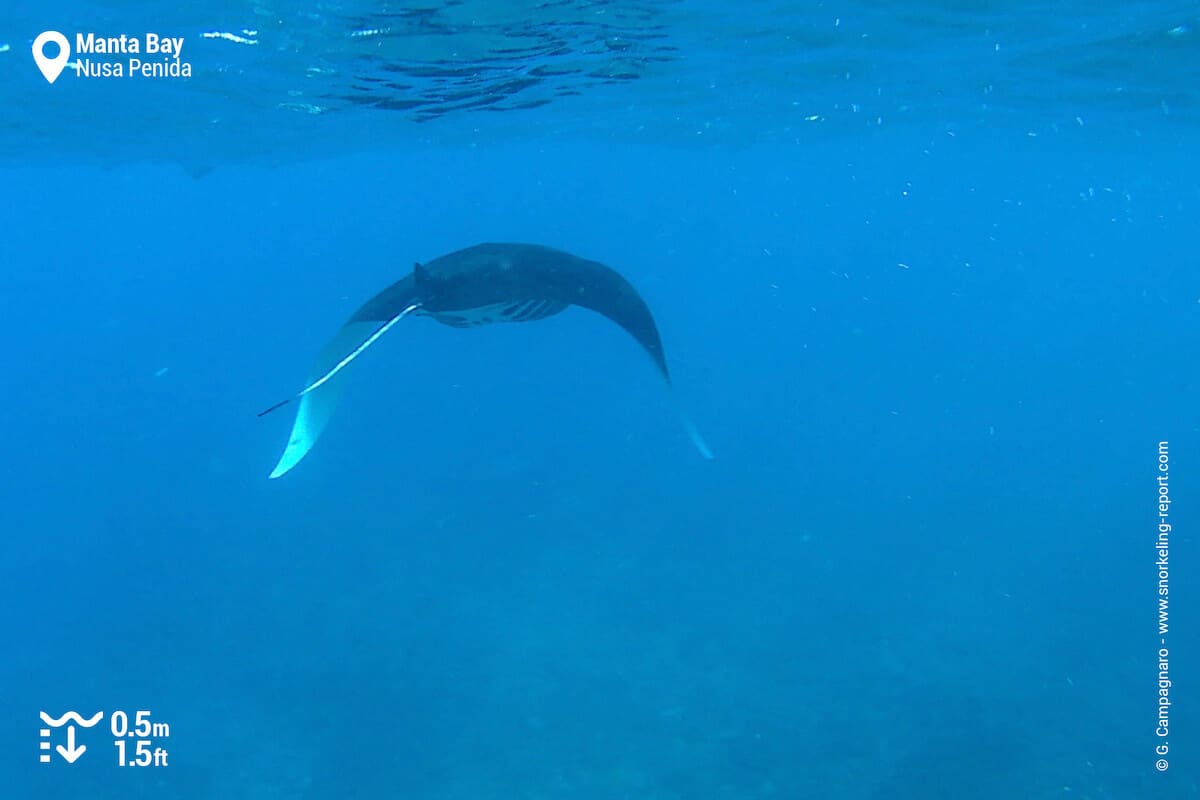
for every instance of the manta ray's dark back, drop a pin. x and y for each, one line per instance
(502, 275)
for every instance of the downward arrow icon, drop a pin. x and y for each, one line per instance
(70, 752)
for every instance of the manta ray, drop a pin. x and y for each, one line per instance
(480, 285)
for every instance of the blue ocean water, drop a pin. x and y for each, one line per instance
(927, 282)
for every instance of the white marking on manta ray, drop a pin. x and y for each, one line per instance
(370, 340)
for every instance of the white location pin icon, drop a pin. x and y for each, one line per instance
(51, 67)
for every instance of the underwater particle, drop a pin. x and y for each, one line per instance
(4, 48)
(161, 371)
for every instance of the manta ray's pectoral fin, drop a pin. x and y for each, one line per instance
(319, 397)
(603, 290)
(693, 433)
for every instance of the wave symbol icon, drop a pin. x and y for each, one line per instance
(71, 716)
